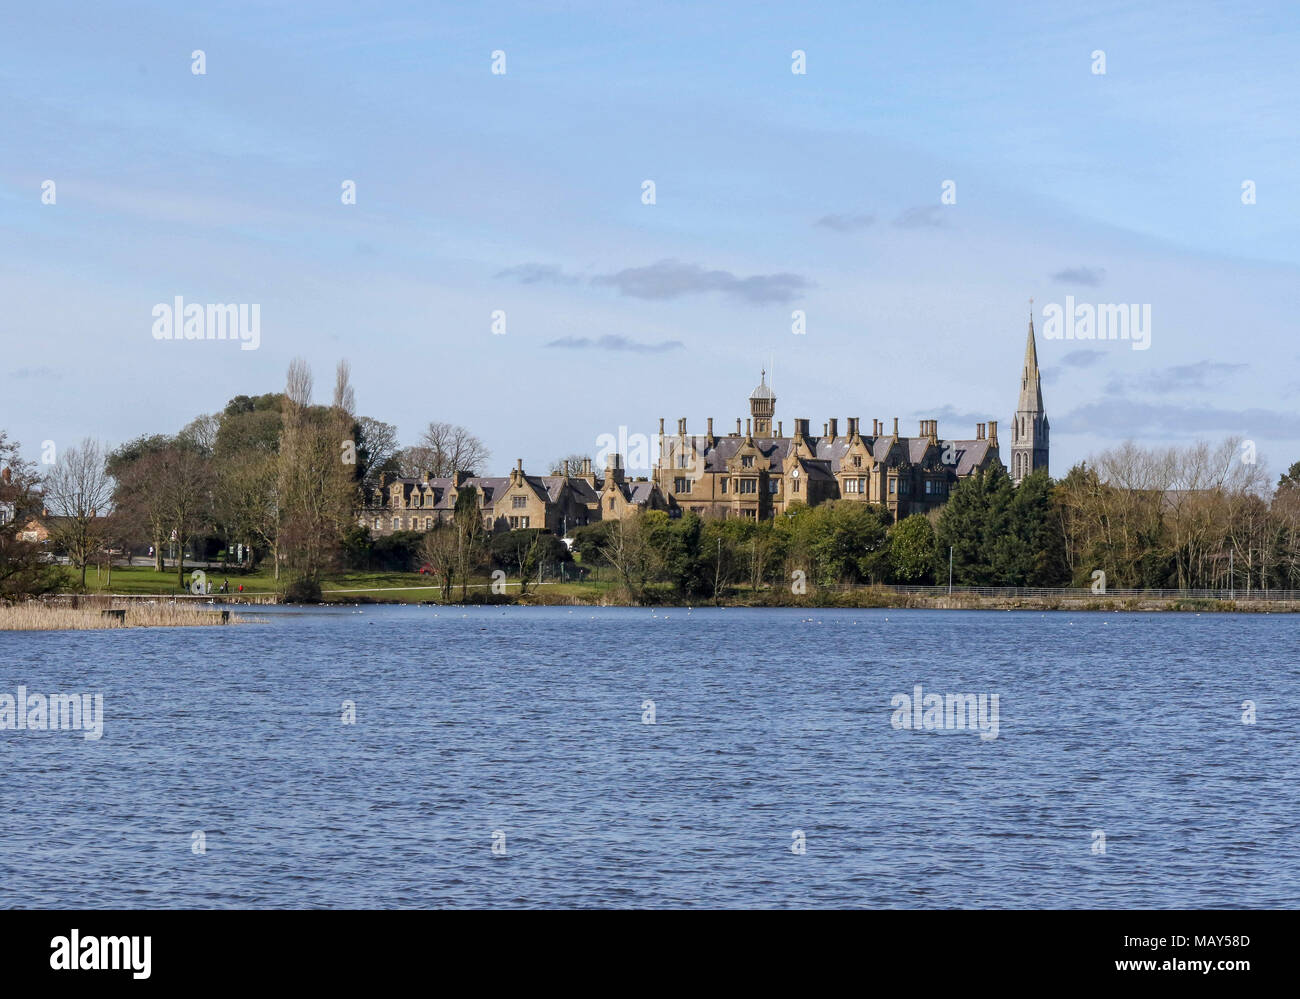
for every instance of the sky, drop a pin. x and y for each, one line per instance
(482, 193)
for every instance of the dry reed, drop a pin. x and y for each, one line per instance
(35, 616)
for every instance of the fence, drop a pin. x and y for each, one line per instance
(1081, 592)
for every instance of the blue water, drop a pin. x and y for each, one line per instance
(529, 721)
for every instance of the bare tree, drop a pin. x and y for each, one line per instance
(201, 432)
(449, 449)
(78, 492)
(570, 464)
(440, 550)
(316, 485)
(182, 481)
(628, 551)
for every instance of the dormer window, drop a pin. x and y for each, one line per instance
(747, 461)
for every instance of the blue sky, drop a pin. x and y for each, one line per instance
(774, 192)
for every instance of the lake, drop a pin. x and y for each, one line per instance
(501, 757)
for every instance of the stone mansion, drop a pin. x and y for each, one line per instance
(755, 471)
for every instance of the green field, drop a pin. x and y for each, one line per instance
(398, 587)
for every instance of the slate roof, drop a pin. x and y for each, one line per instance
(969, 453)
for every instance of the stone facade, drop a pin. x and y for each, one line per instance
(556, 503)
(756, 472)
(748, 474)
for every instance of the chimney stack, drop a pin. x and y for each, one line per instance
(895, 426)
(800, 428)
(779, 431)
(993, 432)
(710, 429)
(681, 427)
(747, 430)
(835, 428)
(737, 426)
(979, 431)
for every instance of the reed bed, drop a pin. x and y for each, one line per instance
(36, 616)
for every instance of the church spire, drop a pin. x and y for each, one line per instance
(1029, 427)
(1031, 390)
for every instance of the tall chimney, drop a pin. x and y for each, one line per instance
(835, 428)
(993, 431)
(737, 426)
(710, 429)
(779, 431)
(747, 431)
(895, 426)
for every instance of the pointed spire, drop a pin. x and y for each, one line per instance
(1031, 392)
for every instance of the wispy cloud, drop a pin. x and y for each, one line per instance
(23, 374)
(668, 279)
(958, 422)
(533, 273)
(1177, 378)
(1081, 358)
(921, 217)
(845, 223)
(1123, 418)
(614, 342)
(1091, 276)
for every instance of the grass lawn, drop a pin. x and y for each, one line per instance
(406, 587)
(141, 579)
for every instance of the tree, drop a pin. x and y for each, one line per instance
(1290, 478)
(628, 550)
(974, 519)
(317, 486)
(201, 433)
(78, 492)
(913, 550)
(24, 570)
(445, 449)
(246, 454)
(377, 451)
(722, 556)
(570, 464)
(135, 500)
(181, 478)
(440, 550)
(472, 537)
